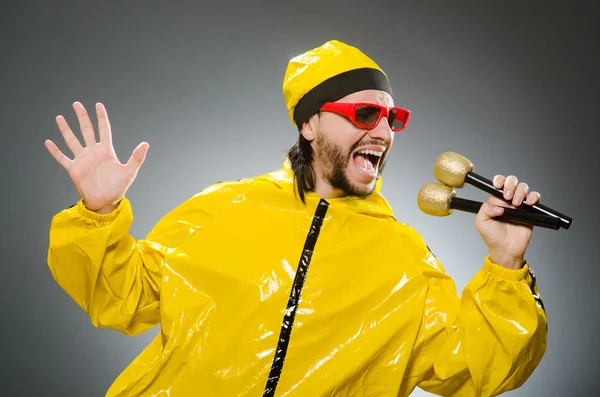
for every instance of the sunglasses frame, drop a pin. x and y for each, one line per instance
(348, 110)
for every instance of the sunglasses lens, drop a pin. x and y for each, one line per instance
(396, 120)
(367, 115)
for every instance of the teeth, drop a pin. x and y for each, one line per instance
(372, 152)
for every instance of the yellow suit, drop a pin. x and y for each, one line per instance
(258, 294)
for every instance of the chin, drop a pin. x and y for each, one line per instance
(368, 190)
(361, 189)
(352, 182)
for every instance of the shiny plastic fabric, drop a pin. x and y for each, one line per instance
(374, 313)
(310, 69)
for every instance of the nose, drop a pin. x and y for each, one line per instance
(382, 131)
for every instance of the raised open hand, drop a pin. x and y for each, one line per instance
(99, 177)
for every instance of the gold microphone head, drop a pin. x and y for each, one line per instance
(451, 169)
(434, 199)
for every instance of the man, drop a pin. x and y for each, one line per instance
(299, 282)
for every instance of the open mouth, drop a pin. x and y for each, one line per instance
(367, 160)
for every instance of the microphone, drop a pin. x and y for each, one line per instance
(454, 170)
(440, 200)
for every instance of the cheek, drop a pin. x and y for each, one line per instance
(343, 136)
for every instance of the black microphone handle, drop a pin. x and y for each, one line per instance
(510, 215)
(488, 186)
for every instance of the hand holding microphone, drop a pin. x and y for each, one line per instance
(507, 240)
(454, 170)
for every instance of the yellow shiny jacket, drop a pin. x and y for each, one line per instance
(258, 294)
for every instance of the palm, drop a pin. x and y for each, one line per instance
(99, 177)
(511, 239)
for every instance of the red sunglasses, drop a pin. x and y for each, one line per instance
(368, 115)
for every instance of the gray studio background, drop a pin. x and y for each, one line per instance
(511, 86)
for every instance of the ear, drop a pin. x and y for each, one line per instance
(310, 128)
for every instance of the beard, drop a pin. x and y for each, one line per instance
(335, 162)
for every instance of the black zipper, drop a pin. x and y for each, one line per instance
(292, 306)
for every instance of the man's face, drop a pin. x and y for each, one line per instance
(340, 157)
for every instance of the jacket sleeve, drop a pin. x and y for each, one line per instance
(109, 274)
(485, 343)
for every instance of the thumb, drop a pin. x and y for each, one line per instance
(488, 211)
(137, 158)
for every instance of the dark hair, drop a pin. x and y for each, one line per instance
(301, 160)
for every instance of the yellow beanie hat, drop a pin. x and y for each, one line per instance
(326, 74)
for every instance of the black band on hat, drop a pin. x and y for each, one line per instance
(338, 87)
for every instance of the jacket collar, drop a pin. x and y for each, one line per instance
(374, 205)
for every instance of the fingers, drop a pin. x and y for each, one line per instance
(87, 130)
(60, 158)
(515, 191)
(70, 138)
(510, 184)
(137, 158)
(498, 181)
(533, 198)
(103, 125)
(520, 193)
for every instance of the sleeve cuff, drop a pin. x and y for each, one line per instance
(504, 273)
(102, 218)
